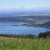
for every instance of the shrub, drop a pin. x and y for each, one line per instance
(44, 34)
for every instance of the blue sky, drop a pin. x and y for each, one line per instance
(28, 4)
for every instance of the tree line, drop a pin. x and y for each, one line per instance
(40, 35)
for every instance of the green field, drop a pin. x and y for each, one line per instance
(24, 44)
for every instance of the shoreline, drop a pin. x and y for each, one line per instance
(24, 25)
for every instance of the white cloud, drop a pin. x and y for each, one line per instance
(34, 6)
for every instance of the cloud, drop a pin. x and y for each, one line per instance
(33, 6)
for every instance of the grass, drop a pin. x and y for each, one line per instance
(24, 44)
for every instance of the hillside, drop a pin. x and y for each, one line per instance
(33, 18)
(47, 24)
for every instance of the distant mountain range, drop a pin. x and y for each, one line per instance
(47, 24)
(24, 12)
(27, 16)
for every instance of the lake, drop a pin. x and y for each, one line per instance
(6, 28)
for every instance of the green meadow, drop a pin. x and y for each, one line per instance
(7, 43)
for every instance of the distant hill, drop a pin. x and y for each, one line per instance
(25, 12)
(47, 24)
(26, 16)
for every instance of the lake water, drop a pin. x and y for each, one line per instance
(20, 29)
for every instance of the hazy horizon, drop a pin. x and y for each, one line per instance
(24, 4)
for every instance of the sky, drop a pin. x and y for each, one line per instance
(24, 4)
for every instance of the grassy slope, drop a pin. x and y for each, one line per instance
(24, 44)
